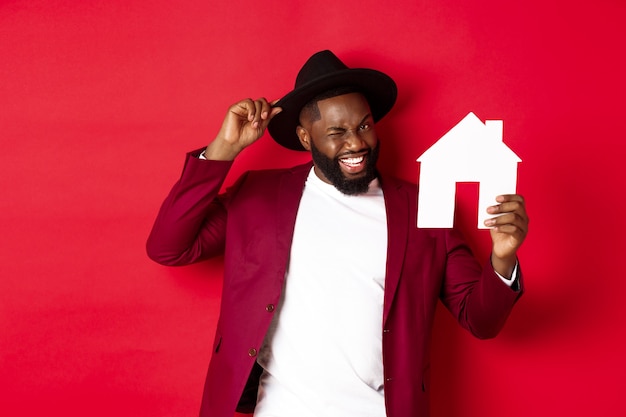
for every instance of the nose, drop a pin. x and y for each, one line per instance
(354, 140)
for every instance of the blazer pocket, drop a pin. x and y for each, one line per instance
(217, 342)
(426, 379)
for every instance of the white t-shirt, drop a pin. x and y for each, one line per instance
(322, 356)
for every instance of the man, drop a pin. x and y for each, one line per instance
(329, 288)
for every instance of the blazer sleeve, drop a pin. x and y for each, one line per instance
(477, 297)
(191, 223)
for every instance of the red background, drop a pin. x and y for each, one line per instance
(99, 101)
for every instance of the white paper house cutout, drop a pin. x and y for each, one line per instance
(472, 151)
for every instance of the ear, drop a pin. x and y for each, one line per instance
(304, 137)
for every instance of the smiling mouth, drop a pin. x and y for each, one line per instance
(353, 165)
(352, 162)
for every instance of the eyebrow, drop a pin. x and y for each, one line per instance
(367, 116)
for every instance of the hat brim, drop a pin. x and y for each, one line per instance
(379, 90)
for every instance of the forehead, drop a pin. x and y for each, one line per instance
(346, 107)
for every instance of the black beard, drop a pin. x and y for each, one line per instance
(332, 171)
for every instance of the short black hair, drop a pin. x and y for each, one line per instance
(312, 112)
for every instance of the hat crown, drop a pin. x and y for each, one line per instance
(318, 65)
(323, 72)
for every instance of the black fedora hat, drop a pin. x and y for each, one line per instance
(323, 72)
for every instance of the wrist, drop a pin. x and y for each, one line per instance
(220, 150)
(504, 266)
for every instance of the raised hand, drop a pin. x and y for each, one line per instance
(244, 124)
(508, 231)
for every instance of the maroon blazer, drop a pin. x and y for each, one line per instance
(252, 225)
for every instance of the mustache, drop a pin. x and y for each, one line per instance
(364, 151)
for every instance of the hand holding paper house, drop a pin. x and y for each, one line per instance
(472, 151)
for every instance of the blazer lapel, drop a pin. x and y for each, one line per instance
(397, 207)
(290, 188)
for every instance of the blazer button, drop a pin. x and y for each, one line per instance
(269, 308)
(252, 352)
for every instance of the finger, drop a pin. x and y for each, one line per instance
(508, 223)
(507, 218)
(242, 108)
(274, 110)
(267, 112)
(510, 229)
(509, 207)
(265, 108)
(245, 109)
(503, 198)
(508, 203)
(255, 120)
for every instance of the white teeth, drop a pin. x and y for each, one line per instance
(352, 161)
